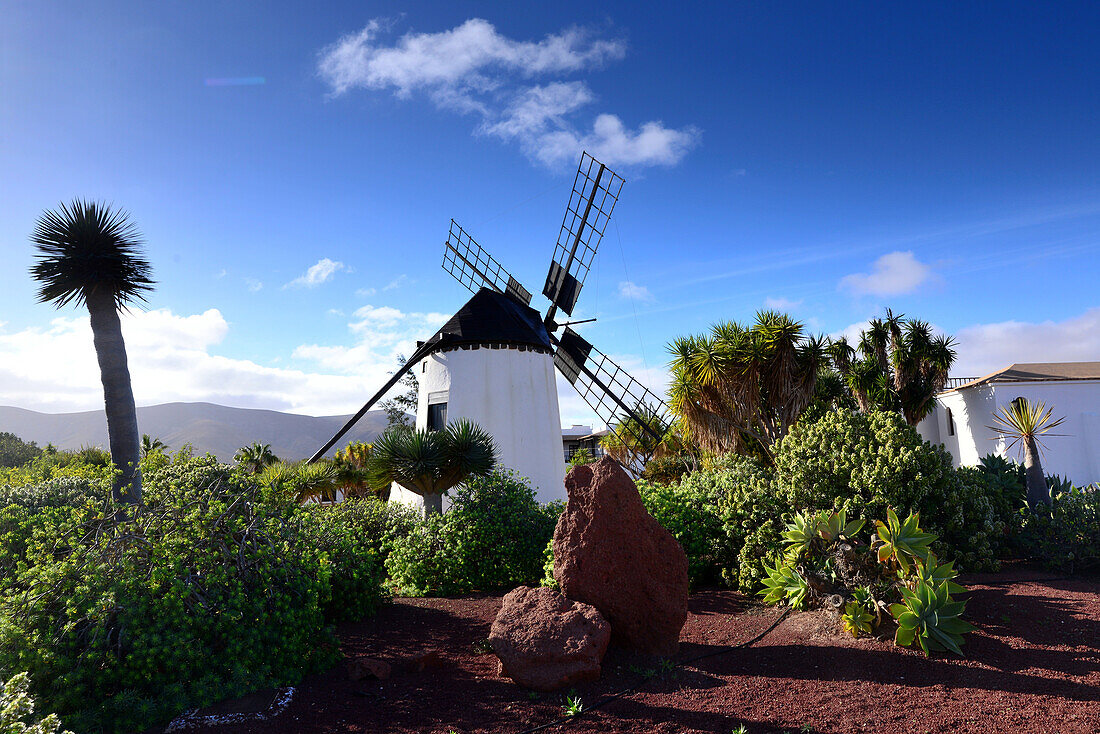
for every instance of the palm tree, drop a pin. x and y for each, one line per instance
(149, 445)
(255, 457)
(633, 441)
(1025, 424)
(742, 388)
(351, 466)
(430, 462)
(899, 366)
(91, 255)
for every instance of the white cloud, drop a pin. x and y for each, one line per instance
(365, 292)
(985, 348)
(254, 286)
(473, 69)
(781, 304)
(318, 273)
(172, 358)
(396, 283)
(220, 274)
(892, 274)
(381, 334)
(635, 292)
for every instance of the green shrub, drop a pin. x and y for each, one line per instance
(492, 537)
(825, 564)
(690, 513)
(357, 536)
(123, 620)
(17, 706)
(91, 463)
(867, 463)
(63, 491)
(667, 469)
(1065, 536)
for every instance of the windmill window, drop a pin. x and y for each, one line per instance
(437, 416)
(950, 423)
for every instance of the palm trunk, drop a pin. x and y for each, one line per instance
(433, 504)
(118, 396)
(1037, 490)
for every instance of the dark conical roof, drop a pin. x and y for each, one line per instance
(493, 318)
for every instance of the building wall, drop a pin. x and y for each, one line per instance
(511, 394)
(1075, 455)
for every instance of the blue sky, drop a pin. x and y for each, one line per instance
(942, 160)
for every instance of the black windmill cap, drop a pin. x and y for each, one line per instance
(491, 317)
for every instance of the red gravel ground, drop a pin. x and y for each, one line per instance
(1033, 665)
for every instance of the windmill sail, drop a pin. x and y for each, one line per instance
(473, 267)
(637, 417)
(595, 190)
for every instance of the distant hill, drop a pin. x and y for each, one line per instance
(208, 427)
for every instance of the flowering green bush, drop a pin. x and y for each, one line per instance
(866, 463)
(126, 616)
(16, 706)
(1066, 535)
(690, 513)
(492, 537)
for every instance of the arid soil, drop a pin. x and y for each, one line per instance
(1032, 666)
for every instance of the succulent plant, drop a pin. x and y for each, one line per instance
(930, 616)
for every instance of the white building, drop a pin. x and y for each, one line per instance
(963, 415)
(492, 363)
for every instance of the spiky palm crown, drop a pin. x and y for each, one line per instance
(87, 248)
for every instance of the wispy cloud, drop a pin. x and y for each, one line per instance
(396, 283)
(984, 348)
(473, 69)
(892, 274)
(635, 292)
(321, 272)
(253, 285)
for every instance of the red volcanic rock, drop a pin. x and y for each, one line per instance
(362, 667)
(546, 642)
(609, 552)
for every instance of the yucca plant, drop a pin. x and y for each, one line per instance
(928, 615)
(91, 255)
(902, 544)
(1025, 424)
(430, 462)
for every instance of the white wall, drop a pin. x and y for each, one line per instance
(511, 394)
(1075, 455)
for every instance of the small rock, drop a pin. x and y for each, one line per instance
(545, 641)
(609, 552)
(364, 667)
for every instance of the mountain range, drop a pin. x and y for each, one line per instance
(216, 429)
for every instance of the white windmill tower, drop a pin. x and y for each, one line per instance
(493, 361)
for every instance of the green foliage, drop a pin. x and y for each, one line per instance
(299, 482)
(14, 451)
(930, 616)
(548, 579)
(88, 463)
(742, 494)
(784, 584)
(494, 536)
(827, 563)
(867, 463)
(1065, 536)
(902, 544)
(125, 618)
(667, 469)
(17, 706)
(580, 457)
(690, 514)
(857, 620)
(63, 491)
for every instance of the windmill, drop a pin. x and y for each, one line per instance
(493, 362)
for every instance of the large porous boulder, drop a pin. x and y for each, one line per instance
(545, 641)
(609, 552)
